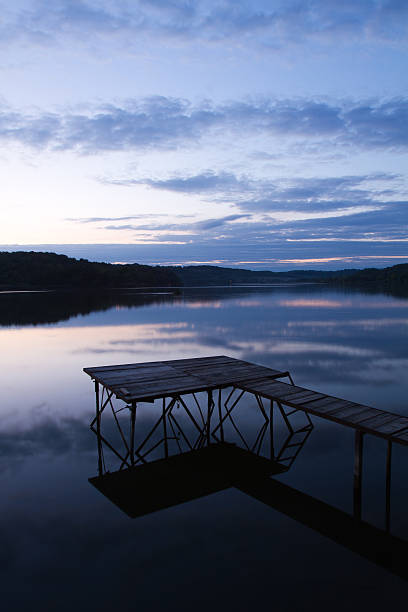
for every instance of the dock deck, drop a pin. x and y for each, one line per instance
(156, 379)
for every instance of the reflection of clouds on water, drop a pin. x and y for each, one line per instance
(204, 304)
(381, 304)
(250, 303)
(325, 337)
(366, 324)
(306, 303)
(288, 348)
(49, 436)
(354, 303)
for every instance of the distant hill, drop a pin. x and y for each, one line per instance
(27, 269)
(214, 275)
(394, 278)
(36, 270)
(33, 270)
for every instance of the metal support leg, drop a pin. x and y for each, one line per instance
(132, 433)
(358, 468)
(220, 414)
(166, 446)
(285, 418)
(98, 430)
(209, 410)
(272, 448)
(388, 489)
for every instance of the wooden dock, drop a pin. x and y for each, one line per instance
(175, 461)
(177, 383)
(146, 382)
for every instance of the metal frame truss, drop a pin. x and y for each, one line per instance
(198, 424)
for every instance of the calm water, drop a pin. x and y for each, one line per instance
(64, 546)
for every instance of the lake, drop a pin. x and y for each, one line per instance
(65, 546)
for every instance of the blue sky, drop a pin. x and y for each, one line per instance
(261, 134)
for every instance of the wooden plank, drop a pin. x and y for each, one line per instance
(159, 384)
(231, 377)
(277, 387)
(346, 409)
(279, 391)
(257, 373)
(360, 415)
(322, 403)
(253, 369)
(212, 372)
(296, 395)
(350, 412)
(394, 426)
(211, 358)
(180, 363)
(290, 392)
(137, 368)
(267, 388)
(142, 375)
(136, 375)
(327, 410)
(380, 418)
(256, 385)
(172, 363)
(210, 363)
(146, 395)
(214, 381)
(305, 401)
(403, 436)
(234, 370)
(129, 382)
(123, 366)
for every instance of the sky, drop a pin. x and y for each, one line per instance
(265, 134)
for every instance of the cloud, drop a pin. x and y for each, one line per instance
(271, 24)
(365, 208)
(206, 182)
(197, 226)
(295, 194)
(126, 218)
(162, 123)
(384, 226)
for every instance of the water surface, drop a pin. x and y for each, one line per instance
(62, 544)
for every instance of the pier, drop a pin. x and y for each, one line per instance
(184, 451)
(170, 381)
(223, 382)
(180, 383)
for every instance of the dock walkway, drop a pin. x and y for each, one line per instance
(377, 422)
